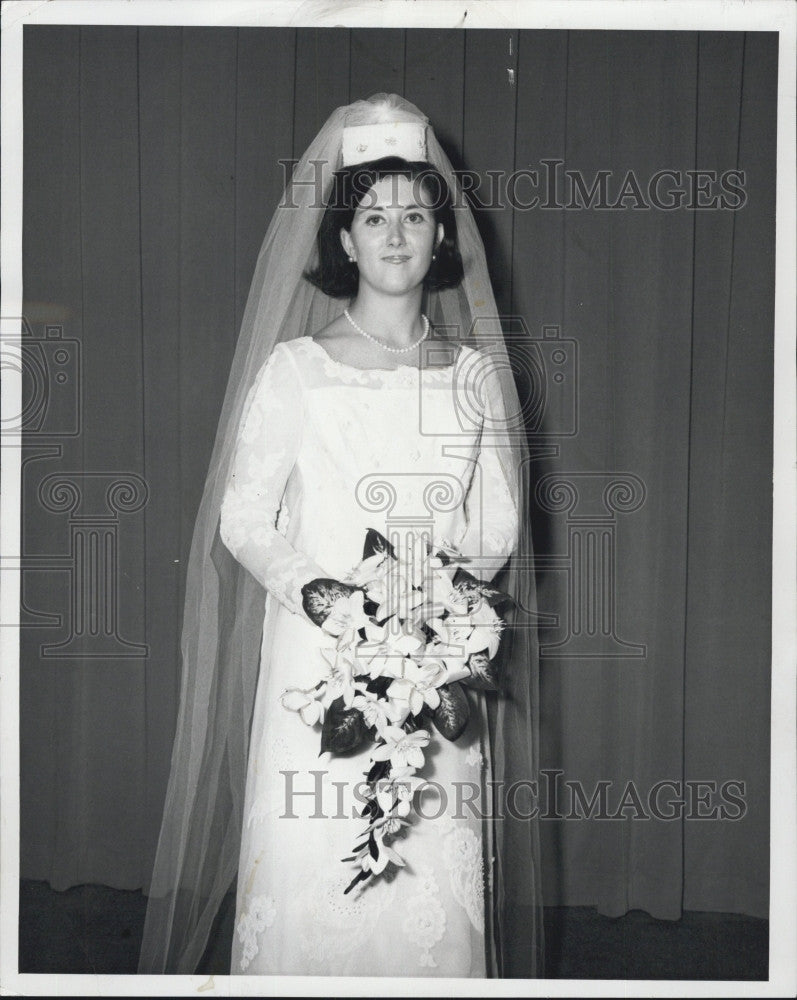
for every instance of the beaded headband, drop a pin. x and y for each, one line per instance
(372, 142)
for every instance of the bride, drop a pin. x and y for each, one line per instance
(397, 413)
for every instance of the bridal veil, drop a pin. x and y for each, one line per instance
(197, 854)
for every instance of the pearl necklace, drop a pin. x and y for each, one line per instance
(386, 347)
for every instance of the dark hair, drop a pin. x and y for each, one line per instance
(339, 277)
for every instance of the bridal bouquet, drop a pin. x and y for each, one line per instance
(410, 629)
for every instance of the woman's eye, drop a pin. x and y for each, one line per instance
(415, 217)
(373, 220)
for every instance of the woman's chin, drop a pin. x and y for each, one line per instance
(398, 282)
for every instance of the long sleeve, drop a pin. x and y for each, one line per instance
(491, 500)
(269, 437)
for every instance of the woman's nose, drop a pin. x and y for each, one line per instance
(395, 236)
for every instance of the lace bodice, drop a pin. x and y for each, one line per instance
(406, 443)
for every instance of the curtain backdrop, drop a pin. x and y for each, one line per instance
(151, 171)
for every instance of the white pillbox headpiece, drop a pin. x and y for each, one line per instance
(372, 142)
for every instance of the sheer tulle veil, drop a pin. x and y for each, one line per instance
(199, 843)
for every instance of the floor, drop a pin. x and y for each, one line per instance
(95, 929)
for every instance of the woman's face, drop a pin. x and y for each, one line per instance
(393, 235)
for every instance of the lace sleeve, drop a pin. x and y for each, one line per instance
(268, 442)
(491, 532)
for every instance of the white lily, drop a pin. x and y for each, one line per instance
(306, 703)
(404, 638)
(399, 599)
(377, 712)
(451, 656)
(386, 795)
(385, 854)
(444, 658)
(374, 656)
(377, 659)
(403, 785)
(368, 570)
(457, 633)
(389, 826)
(419, 685)
(401, 748)
(449, 550)
(339, 682)
(487, 628)
(345, 618)
(439, 589)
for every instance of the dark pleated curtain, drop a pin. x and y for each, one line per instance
(151, 171)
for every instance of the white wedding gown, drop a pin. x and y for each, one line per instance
(325, 452)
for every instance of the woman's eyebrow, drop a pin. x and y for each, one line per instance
(381, 208)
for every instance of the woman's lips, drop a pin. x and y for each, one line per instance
(396, 259)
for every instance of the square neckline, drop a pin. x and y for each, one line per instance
(386, 371)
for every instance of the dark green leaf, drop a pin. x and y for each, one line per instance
(476, 591)
(483, 672)
(380, 769)
(376, 543)
(361, 877)
(411, 723)
(452, 714)
(320, 594)
(379, 685)
(344, 729)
